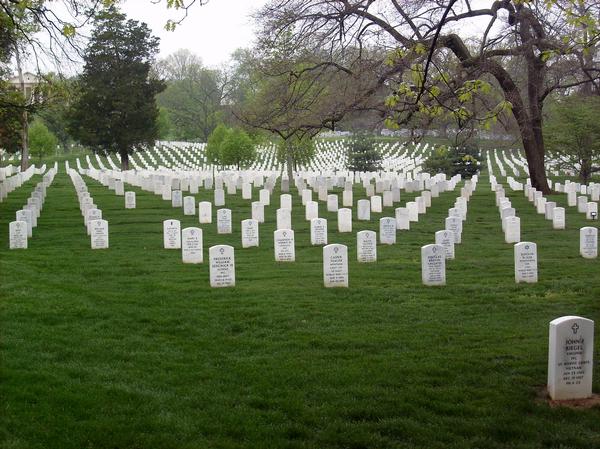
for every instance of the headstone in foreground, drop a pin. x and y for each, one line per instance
(570, 358)
(526, 262)
(335, 265)
(222, 266)
(191, 245)
(433, 265)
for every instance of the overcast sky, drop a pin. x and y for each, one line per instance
(212, 31)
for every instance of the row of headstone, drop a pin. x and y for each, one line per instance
(96, 226)
(26, 218)
(9, 184)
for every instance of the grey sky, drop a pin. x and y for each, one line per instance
(212, 31)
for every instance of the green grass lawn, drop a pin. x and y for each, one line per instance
(130, 348)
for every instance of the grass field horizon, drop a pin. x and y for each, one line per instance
(130, 348)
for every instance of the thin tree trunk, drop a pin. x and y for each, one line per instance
(289, 162)
(24, 117)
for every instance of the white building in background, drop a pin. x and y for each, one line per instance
(30, 83)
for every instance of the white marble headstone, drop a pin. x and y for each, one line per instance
(205, 212)
(526, 269)
(284, 245)
(335, 265)
(387, 230)
(129, 200)
(344, 219)
(570, 358)
(445, 238)
(318, 231)
(588, 242)
(17, 231)
(222, 266)
(99, 234)
(249, 233)
(191, 245)
(433, 265)
(366, 246)
(172, 234)
(224, 221)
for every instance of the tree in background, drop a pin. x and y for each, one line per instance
(572, 133)
(298, 150)
(41, 141)
(362, 154)
(237, 149)
(548, 41)
(116, 110)
(453, 160)
(193, 95)
(213, 151)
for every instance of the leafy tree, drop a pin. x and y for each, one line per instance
(526, 51)
(193, 95)
(572, 133)
(237, 149)
(214, 144)
(452, 161)
(362, 154)
(41, 141)
(297, 150)
(116, 110)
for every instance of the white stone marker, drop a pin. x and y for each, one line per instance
(172, 234)
(592, 211)
(306, 196)
(258, 211)
(512, 229)
(558, 218)
(588, 242)
(402, 220)
(376, 204)
(246, 191)
(347, 198)
(284, 218)
(129, 200)
(284, 245)
(344, 219)
(454, 224)
(119, 188)
(17, 231)
(335, 265)
(249, 233)
(219, 197)
(366, 246)
(25, 215)
(364, 210)
(526, 262)
(176, 198)
(582, 204)
(570, 358)
(413, 211)
(222, 266)
(446, 239)
(205, 212)
(549, 214)
(311, 210)
(387, 231)
(264, 196)
(332, 203)
(318, 231)
(92, 214)
(224, 221)
(99, 235)
(285, 201)
(191, 245)
(388, 199)
(433, 265)
(189, 205)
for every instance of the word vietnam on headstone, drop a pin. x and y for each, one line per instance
(191, 245)
(570, 358)
(526, 262)
(433, 265)
(335, 265)
(222, 266)
(172, 234)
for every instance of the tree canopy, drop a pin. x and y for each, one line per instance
(116, 86)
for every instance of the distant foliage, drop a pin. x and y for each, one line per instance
(237, 149)
(572, 133)
(296, 151)
(41, 141)
(362, 154)
(452, 161)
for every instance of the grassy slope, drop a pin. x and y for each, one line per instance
(128, 347)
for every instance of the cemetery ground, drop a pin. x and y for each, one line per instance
(130, 348)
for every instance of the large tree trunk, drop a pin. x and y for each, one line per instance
(24, 117)
(124, 160)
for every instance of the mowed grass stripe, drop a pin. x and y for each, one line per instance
(129, 347)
